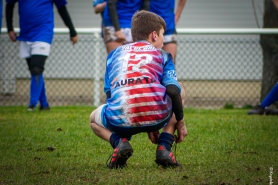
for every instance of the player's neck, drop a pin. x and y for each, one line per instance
(151, 41)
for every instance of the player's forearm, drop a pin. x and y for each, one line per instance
(9, 16)
(173, 93)
(100, 7)
(180, 7)
(113, 14)
(67, 20)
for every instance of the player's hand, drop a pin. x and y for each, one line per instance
(74, 39)
(120, 36)
(182, 131)
(12, 36)
(100, 7)
(153, 136)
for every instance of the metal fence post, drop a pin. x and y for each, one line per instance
(7, 72)
(96, 71)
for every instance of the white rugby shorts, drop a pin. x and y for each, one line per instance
(110, 34)
(98, 115)
(172, 38)
(34, 48)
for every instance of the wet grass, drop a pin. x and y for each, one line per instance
(58, 147)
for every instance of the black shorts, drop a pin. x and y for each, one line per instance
(130, 131)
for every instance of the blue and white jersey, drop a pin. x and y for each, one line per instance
(137, 75)
(37, 19)
(165, 9)
(125, 11)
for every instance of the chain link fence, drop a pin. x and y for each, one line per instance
(216, 70)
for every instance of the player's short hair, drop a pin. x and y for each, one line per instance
(144, 23)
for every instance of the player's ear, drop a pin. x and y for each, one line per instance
(154, 36)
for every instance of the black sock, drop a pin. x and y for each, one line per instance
(114, 140)
(166, 140)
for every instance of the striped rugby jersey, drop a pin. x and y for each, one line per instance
(137, 75)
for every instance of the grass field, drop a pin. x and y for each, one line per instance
(58, 147)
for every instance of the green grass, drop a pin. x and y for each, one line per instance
(58, 147)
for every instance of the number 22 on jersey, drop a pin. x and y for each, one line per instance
(136, 61)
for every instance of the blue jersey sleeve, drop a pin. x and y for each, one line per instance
(169, 72)
(60, 3)
(106, 83)
(106, 76)
(96, 2)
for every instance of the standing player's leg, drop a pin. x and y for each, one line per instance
(28, 60)
(37, 81)
(110, 39)
(110, 46)
(25, 52)
(262, 108)
(43, 99)
(36, 61)
(171, 48)
(40, 52)
(170, 45)
(112, 42)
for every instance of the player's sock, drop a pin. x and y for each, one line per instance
(114, 140)
(166, 140)
(271, 97)
(35, 89)
(42, 98)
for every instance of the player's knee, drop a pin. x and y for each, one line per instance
(37, 64)
(36, 70)
(95, 127)
(92, 117)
